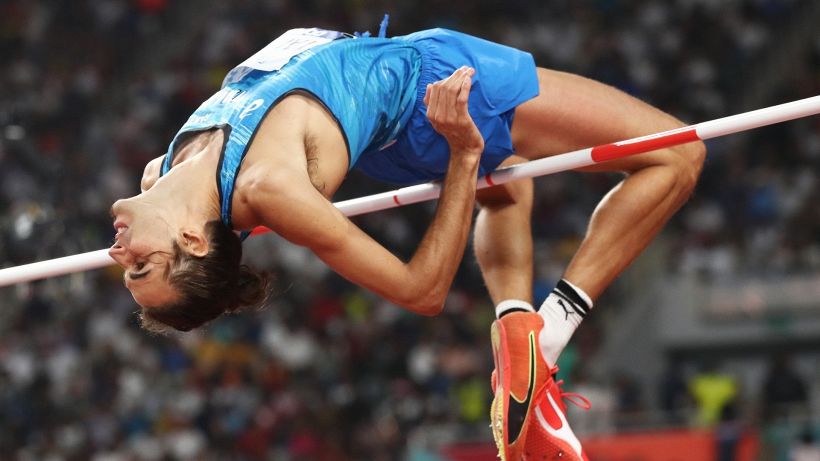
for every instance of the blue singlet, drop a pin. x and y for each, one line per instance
(374, 88)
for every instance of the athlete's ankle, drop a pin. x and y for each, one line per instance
(508, 306)
(562, 311)
(579, 297)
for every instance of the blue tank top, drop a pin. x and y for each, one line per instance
(367, 84)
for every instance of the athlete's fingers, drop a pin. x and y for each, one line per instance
(447, 101)
(448, 111)
(452, 85)
(436, 86)
(445, 104)
(433, 101)
(454, 111)
(437, 109)
(454, 114)
(464, 94)
(427, 95)
(456, 75)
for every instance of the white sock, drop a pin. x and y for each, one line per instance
(562, 311)
(512, 305)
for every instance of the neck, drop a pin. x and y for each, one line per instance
(188, 192)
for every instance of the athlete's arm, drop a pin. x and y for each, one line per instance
(290, 206)
(151, 173)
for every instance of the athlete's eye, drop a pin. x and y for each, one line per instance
(139, 266)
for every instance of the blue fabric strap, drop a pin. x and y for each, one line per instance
(383, 26)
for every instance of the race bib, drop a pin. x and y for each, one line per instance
(278, 52)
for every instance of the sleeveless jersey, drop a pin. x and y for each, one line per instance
(369, 85)
(374, 88)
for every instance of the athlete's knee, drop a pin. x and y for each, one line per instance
(689, 163)
(518, 192)
(683, 165)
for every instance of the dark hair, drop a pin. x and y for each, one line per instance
(208, 286)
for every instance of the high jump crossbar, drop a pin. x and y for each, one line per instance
(422, 192)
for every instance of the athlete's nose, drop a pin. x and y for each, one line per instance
(119, 254)
(117, 206)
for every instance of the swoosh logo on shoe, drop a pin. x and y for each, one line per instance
(563, 432)
(518, 409)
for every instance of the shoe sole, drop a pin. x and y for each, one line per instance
(501, 402)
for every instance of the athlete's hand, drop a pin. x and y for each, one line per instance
(446, 102)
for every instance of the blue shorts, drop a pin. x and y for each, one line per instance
(505, 77)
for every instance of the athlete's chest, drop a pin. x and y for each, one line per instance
(298, 137)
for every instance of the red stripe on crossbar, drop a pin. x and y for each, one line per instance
(617, 150)
(396, 199)
(489, 179)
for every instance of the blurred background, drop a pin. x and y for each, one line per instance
(708, 348)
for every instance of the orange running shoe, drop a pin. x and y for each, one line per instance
(550, 436)
(524, 387)
(520, 370)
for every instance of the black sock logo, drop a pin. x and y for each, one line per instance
(567, 310)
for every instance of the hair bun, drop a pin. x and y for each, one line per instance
(253, 289)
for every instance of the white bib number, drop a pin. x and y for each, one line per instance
(278, 52)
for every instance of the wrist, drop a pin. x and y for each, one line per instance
(466, 157)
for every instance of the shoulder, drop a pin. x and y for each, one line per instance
(265, 189)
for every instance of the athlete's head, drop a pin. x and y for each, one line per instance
(181, 276)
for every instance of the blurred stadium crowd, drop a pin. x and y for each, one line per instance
(90, 91)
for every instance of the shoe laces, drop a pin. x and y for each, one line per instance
(573, 397)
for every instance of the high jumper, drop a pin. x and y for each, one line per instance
(274, 144)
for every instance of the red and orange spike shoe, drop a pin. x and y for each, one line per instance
(519, 371)
(524, 387)
(550, 437)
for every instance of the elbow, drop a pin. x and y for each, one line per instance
(423, 292)
(428, 303)
(430, 309)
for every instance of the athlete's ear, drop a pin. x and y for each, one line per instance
(194, 243)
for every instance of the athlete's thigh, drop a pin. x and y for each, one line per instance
(572, 112)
